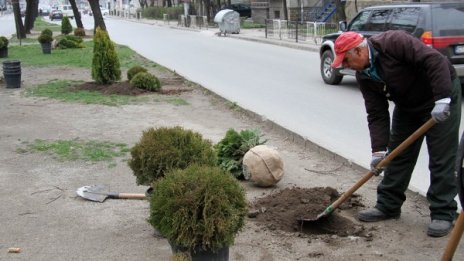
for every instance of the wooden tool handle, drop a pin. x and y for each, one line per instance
(406, 143)
(454, 239)
(128, 196)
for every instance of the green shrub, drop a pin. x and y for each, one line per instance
(156, 12)
(147, 81)
(74, 38)
(162, 149)
(134, 70)
(66, 42)
(79, 32)
(66, 26)
(105, 63)
(45, 36)
(200, 206)
(231, 149)
(3, 42)
(47, 32)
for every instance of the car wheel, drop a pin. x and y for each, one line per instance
(329, 75)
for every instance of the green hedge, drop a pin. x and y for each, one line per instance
(156, 12)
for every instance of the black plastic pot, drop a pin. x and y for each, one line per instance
(4, 52)
(199, 254)
(12, 73)
(46, 48)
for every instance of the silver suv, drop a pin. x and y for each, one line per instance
(439, 25)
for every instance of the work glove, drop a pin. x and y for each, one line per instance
(377, 157)
(441, 111)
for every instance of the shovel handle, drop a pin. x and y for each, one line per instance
(127, 196)
(406, 143)
(454, 239)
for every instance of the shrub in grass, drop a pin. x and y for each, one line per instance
(79, 32)
(105, 63)
(3, 42)
(200, 207)
(134, 70)
(70, 41)
(147, 81)
(231, 149)
(160, 150)
(66, 27)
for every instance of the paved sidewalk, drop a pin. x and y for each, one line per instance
(256, 35)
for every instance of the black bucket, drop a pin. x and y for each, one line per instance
(46, 48)
(12, 73)
(4, 52)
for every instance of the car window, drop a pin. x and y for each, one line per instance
(378, 20)
(449, 20)
(359, 22)
(404, 19)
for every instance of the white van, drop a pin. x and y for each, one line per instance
(67, 11)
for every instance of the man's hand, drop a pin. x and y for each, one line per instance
(441, 111)
(376, 158)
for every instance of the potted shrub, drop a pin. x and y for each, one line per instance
(3, 47)
(199, 210)
(162, 149)
(45, 39)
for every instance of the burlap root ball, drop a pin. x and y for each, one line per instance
(263, 166)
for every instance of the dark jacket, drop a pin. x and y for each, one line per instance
(460, 170)
(413, 76)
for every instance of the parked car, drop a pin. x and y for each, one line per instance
(104, 11)
(55, 15)
(244, 10)
(439, 25)
(67, 11)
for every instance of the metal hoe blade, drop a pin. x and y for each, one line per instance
(94, 192)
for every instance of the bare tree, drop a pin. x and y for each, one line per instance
(340, 5)
(97, 15)
(32, 9)
(143, 3)
(77, 15)
(20, 31)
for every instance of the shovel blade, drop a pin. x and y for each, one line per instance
(96, 193)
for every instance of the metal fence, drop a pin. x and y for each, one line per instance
(297, 31)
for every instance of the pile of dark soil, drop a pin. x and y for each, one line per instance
(284, 210)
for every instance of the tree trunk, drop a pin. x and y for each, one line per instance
(340, 5)
(97, 16)
(29, 16)
(152, 3)
(169, 3)
(207, 4)
(286, 10)
(77, 15)
(20, 31)
(143, 4)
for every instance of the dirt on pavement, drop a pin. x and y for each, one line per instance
(41, 214)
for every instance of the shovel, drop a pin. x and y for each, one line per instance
(454, 239)
(101, 192)
(418, 133)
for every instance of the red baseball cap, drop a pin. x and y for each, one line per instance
(345, 42)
